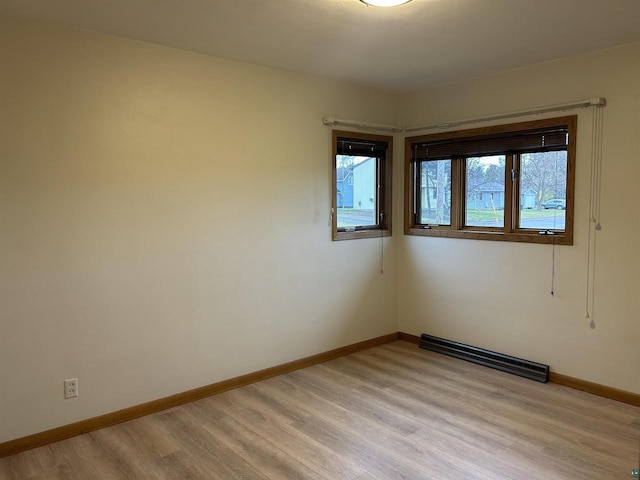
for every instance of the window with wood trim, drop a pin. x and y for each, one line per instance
(361, 193)
(510, 182)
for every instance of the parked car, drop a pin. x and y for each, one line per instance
(558, 203)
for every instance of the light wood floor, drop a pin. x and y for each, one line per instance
(391, 412)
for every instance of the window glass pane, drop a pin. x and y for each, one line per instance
(485, 191)
(435, 193)
(356, 191)
(543, 190)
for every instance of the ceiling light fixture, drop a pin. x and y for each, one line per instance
(385, 3)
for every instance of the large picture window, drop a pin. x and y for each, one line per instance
(508, 182)
(361, 166)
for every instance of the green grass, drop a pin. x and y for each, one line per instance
(472, 215)
(488, 215)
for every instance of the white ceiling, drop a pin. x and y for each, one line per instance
(423, 43)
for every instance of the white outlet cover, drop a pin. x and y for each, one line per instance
(71, 388)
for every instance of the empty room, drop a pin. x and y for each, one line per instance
(319, 239)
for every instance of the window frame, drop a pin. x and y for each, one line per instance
(384, 188)
(511, 231)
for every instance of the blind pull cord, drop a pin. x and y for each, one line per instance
(594, 213)
(381, 245)
(552, 234)
(553, 265)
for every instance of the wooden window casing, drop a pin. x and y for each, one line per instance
(379, 147)
(512, 141)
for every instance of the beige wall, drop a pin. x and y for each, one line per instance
(163, 223)
(497, 295)
(163, 226)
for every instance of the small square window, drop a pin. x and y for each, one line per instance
(361, 166)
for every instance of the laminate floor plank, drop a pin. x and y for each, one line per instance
(352, 400)
(438, 368)
(206, 451)
(22, 466)
(307, 450)
(365, 427)
(386, 413)
(179, 465)
(369, 395)
(368, 476)
(112, 454)
(534, 429)
(144, 437)
(63, 461)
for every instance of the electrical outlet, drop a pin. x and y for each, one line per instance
(71, 388)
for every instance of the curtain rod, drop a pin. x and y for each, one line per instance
(591, 102)
(337, 122)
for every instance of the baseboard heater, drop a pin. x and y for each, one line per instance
(499, 361)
